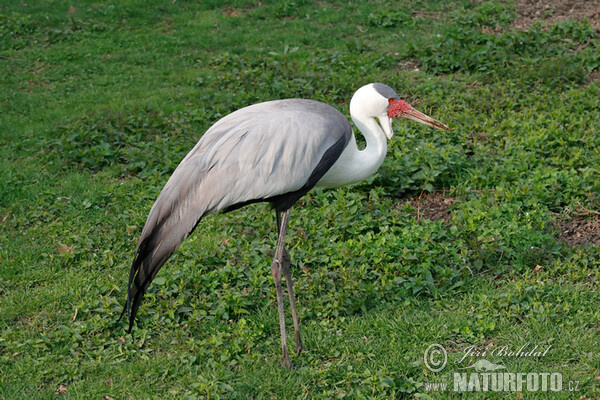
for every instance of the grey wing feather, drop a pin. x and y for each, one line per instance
(256, 153)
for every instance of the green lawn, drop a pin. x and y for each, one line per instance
(483, 236)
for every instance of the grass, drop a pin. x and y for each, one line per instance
(99, 102)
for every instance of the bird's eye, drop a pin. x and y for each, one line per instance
(391, 100)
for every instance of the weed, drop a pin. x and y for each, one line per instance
(15, 30)
(466, 48)
(390, 18)
(141, 141)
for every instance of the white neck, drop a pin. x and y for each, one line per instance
(355, 165)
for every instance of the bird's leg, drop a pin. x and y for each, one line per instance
(276, 269)
(290, 286)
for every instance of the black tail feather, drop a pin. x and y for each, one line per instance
(142, 265)
(153, 251)
(134, 268)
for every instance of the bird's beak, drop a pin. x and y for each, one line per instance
(418, 116)
(400, 108)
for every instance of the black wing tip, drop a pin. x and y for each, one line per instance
(130, 327)
(148, 265)
(130, 311)
(134, 308)
(122, 313)
(127, 308)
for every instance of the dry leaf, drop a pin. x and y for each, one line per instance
(62, 389)
(65, 249)
(537, 268)
(72, 10)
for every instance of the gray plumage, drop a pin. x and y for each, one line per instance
(274, 151)
(385, 91)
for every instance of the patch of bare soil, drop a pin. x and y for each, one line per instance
(551, 11)
(432, 206)
(578, 230)
(594, 77)
(409, 65)
(230, 12)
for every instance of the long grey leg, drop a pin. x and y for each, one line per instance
(276, 269)
(290, 286)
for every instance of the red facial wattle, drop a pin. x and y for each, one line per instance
(400, 108)
(397, 108)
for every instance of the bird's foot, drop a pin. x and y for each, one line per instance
(299, 347)
(285, 362)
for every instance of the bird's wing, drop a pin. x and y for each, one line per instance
(274, 151)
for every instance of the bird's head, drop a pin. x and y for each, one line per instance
(380, 101)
